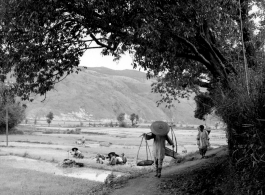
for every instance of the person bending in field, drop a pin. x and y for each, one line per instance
(100, 158)
(116, 159)
(112, 159)
(124, 159)
(202, 140)
(76, 153)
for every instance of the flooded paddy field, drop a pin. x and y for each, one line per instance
(42, 153)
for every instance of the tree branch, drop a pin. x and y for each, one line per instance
(190, 56)
(200, 58)
(215, 56)
(220, 55)
(101, 44)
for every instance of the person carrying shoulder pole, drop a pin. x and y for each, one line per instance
(159, 131)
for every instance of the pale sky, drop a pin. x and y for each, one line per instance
(93, 58)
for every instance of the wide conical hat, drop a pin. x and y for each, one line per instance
(159, 128)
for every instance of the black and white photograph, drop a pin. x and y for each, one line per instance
(132, 97)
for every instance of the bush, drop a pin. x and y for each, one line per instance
(16, 114)
(48, 132)
(18, 132)
(123, 124)
(14, 131)
(78, 130)
(244, 115)
(70, 132)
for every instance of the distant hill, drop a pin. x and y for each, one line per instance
(102, 93)
(126, 73)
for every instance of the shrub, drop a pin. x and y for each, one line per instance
(110, 178)
(48, 132)
(70, 131)
(18, 132)
(14, 131)
(16, 114)
(121, 117)
(78, 130)
(25, 154)
(123, 124)
(244, 115)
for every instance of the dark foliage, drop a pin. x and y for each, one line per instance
(204, 105)
(14, 110)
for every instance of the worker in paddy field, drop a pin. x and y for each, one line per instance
(77, 153)
(124, 159)
(83, 140)
(159, 131)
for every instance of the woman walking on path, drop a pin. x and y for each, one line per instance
(202, 140)
(159, 133)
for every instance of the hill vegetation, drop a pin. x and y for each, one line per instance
(102, 93)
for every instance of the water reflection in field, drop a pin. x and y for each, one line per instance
(52, 168)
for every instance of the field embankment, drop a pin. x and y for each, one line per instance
(193, 175)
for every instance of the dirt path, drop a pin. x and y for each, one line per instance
(149, 185)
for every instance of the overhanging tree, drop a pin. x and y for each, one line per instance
(190, 41)
(186, 44)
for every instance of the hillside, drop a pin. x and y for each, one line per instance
(102, 93)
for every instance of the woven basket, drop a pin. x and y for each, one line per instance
(145, 163)
(170, 152)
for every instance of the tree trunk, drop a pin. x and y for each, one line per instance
(217, 62)
(249, 46)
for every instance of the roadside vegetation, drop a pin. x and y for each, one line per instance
(10, 109)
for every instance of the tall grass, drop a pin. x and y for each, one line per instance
(244, 115)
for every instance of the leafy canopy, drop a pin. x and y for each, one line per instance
(185, 44)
